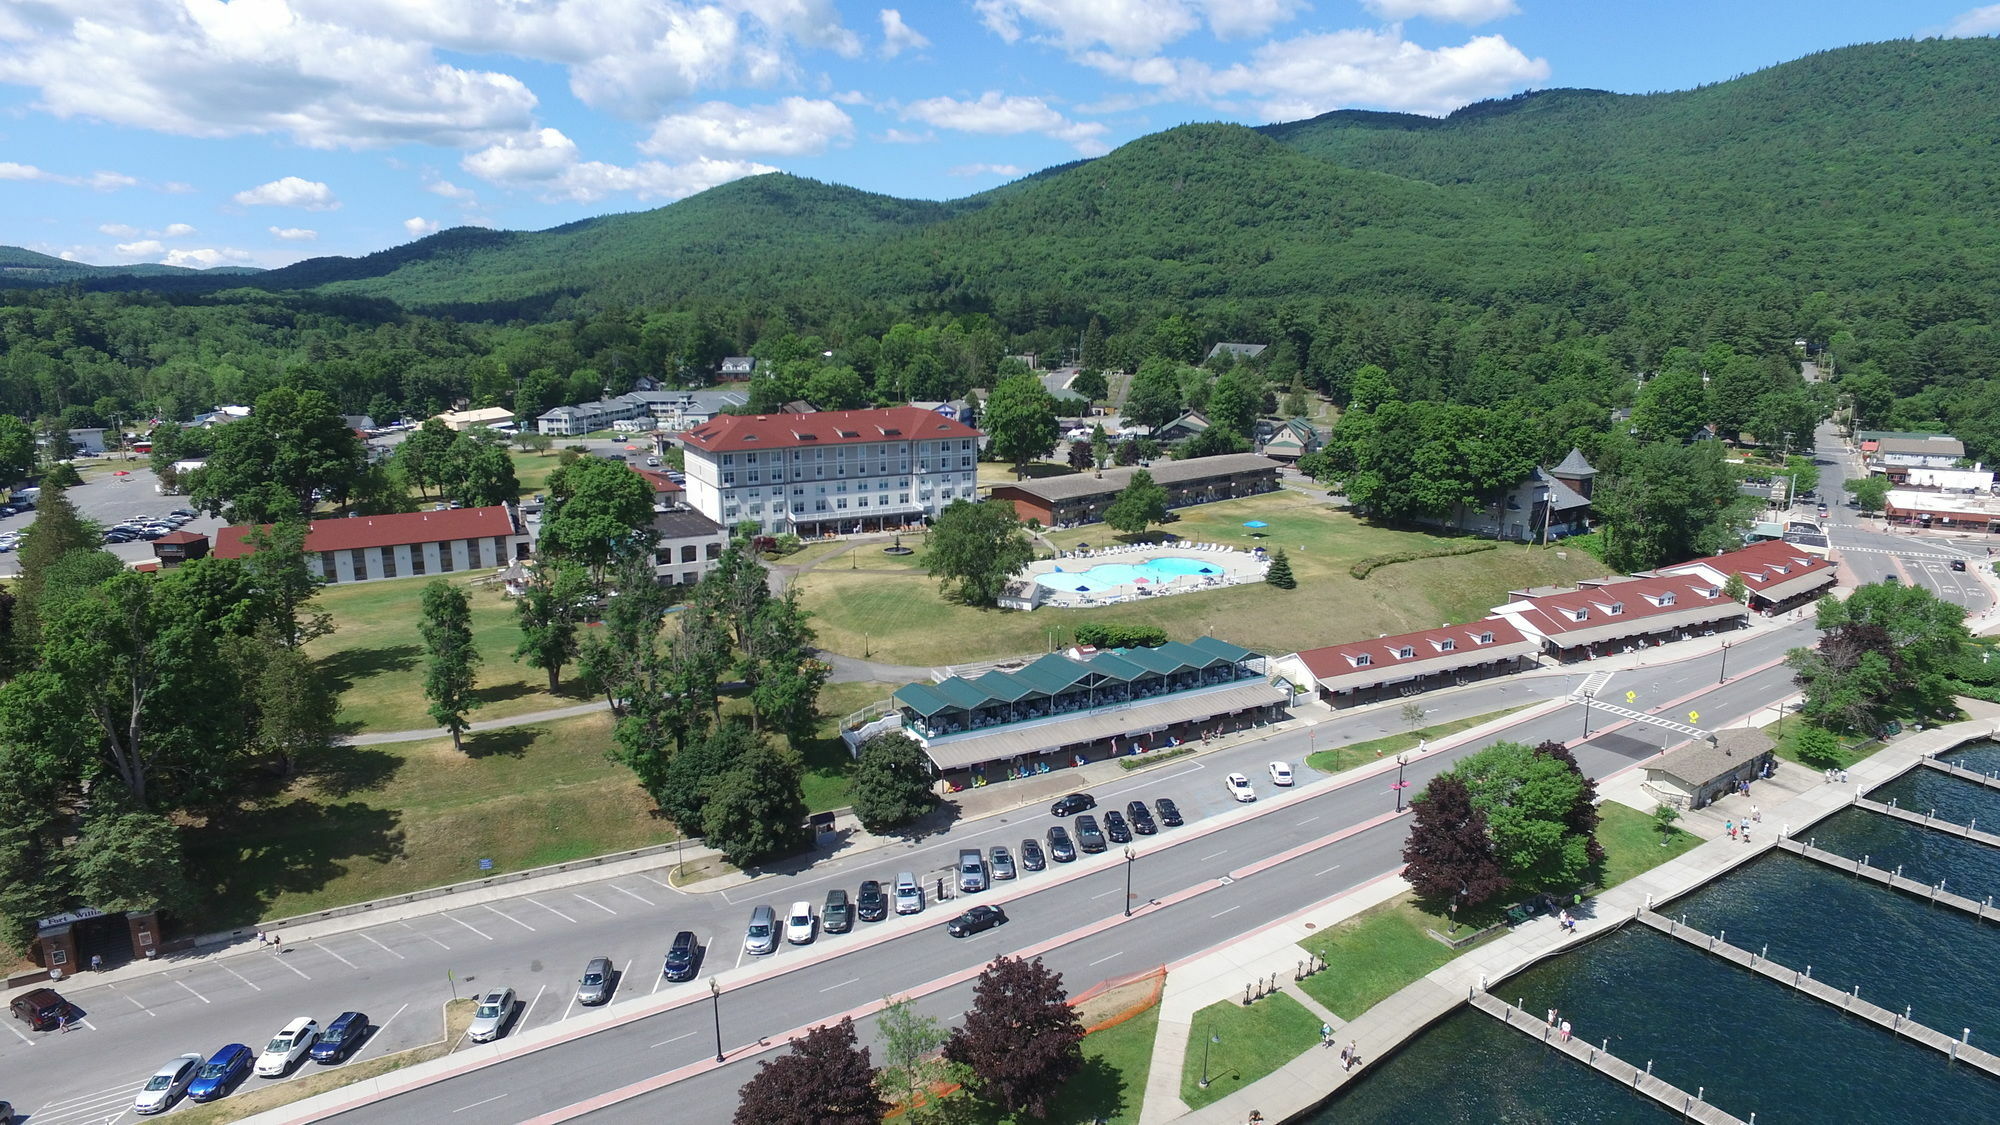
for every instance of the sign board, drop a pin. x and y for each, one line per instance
(486, 865)
(77, 915)
(1631, 697)
(1694, 716)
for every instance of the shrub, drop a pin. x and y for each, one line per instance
(1120, 636)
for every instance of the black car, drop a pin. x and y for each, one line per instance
(871, 903)
(1170, 813)
(1089, 837)
(975, 920)
(1142, 818)
(1031, 856)
(1116, 828)
(1074, 803)
(837, 916)
(1060, 848)
(340, 1038)
(681, 957)
(1958, 564)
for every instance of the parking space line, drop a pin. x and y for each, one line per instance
(425, 936)
(598, 905)
(134, 1001)
(192, 992)
(382, 1027)
(1112, 891)
(657, 982)
(287, 964)
(469, 926)
(328, 950)
(657, 883)
(530, 1012)
(634, 894)
(22, 1034)
(510, 917)
(623, 971)
(568, 1008)
(383, 948)
(552, 910)
(238, 976)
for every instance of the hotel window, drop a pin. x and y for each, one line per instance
(445, 562)
(388, 562)
(416, 558)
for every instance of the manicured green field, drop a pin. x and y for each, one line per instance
(1249, 1043)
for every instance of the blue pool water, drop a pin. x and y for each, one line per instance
(1104, 576)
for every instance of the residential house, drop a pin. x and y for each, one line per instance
(1896, 455)
(368, 548)
(1546, 504)
(1180, 429)
(737, 367)
(1294, 439)
(1076, 498)
(1234, 351)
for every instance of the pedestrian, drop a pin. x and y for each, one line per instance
(97, 962)
(277, 946)
(1746, 833)
(1565, 1031)
(1325, 1035)
(1552, 1017)
(1843, 777)
(1729, 826)
(263, 939)
(62, 1023)
(1756, 814)
(1353, 1053)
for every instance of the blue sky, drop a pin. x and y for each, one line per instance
(259, 132)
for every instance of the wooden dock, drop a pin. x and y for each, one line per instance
(1604, 1062)
(1948, 827)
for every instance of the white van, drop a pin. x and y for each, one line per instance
(909, 895)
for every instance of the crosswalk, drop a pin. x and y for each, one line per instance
(1902, 554)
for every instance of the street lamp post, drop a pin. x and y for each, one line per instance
(1588, 698)
(715, 995)
(1210, 1038)
(1400, 783)
(1722, 675)
(1130, 855)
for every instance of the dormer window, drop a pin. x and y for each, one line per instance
(1447, 645)
(1667, 598)
(1616, 608)
(1579, 615)
(1363, 660)
(1486, 638)
(1405, 652)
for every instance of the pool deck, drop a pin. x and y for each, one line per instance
(1233, 567)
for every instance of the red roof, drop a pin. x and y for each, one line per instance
(1619, 601)
(1386, 652)
(178, 537)
(660, 481)
(734, 433)
(383, 531)
(1761, 564)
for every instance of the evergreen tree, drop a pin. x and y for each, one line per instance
(892, 783)
(1021, 1039)
(449, 676)
(826, 1078)
(1449, 854)
(57, 531)
(1280, 574)
(1139, 505)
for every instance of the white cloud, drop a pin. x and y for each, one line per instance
(205, 258)
(102, 181)
(537, 155)
(1315, 73)
(792, 127)
(1008, 170)
(291, 191)
(998, 114)
(451, 191)
(1130, 27)
(898, 36)
(117, 230)
(294, 234)
(145, 248)
(418, 226)
(1978, 21)
(548, 162)
(1443, 11)
(895, 136)
(177, 230)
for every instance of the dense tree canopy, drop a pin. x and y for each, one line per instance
(977, 545)
(1021, 1039)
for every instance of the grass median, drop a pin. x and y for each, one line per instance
(1340, 758)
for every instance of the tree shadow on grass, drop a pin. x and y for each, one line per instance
(342, 770)
(343, 668)
(501, 693)
(242, 863)
(508, 742)
(1097, 1092)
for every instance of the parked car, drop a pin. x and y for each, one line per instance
(971, 871)
(166, 1085)
(1239, 787)
(490, 1019)
(1089, 837)
(1281, 773)
(42, 1009)
(761, 936)
(287, 1047)
(1170, 813)
(222, 1073)
(975, 920)
(1060, 848)
(1074, 803)
(801, 925)
(1116, 828)
(1142, 818)
(871, 903)
(341, 1037)
(1002, 864)
(595, 985)
(1031, 856)
(909, 895)
(837, 915)
(681, 957)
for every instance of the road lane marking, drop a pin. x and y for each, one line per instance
(1220, 913)
(1102, 960)
(530, 1013)
(598, 905)
(634, 894)
(330, 953)
(383, 948)
(1112, 891)
(675, 1039)
(431, 939)
(469, 925)
(192, 992)
(477, 1104)
(1307, 821)
(842, 984)
(1212, 855)
(1317, 874)
(237, 975)
(510, 918)
(553, 910)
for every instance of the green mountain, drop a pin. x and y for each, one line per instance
(18, 265)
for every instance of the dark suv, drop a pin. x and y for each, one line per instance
(681, 957)
(340, 1038)
(872, 904)
(837, 916)
(1089, 837)
(1142, 818)
(43, 1009)
(1074, 803)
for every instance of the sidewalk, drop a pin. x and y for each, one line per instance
(1306, 1081)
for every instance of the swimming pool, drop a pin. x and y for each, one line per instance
(1104, 576)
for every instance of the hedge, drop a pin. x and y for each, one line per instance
(1369, 565)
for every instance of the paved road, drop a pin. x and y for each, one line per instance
(1870, 553)
(108, 499)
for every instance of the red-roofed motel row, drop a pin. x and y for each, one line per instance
(1594, 619)
(364, 548)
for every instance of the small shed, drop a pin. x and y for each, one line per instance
(177, 547)
(1694, 775)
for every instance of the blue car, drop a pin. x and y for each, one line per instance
(340, 1038)
(221, 1073)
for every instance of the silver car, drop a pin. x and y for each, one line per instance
(595, 987)
(167, 1085)
(490, 1021)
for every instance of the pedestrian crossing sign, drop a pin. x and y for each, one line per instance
(1694, 716)
(1631, 696)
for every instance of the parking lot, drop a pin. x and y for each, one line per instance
(105, 499)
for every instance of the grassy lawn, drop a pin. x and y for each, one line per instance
(1111, 1084)
(1374, 954)
(1345, 757)
(1632, 845)
(1250, 1043)
(1787, 748)
(829, 768)
(533, 469)
(896, 614)
(376, 656)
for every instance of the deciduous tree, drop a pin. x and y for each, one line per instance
(451, 671)
(892, 783)
(1449, 854)
(755, 809)
(1020, 421)
(1021, 1039)
(1139, 505)
(1232, 404)
(596, 508)
(556, 595)
(979, 546)
(826, 1078)
(1529, 799)
(1667, 503)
